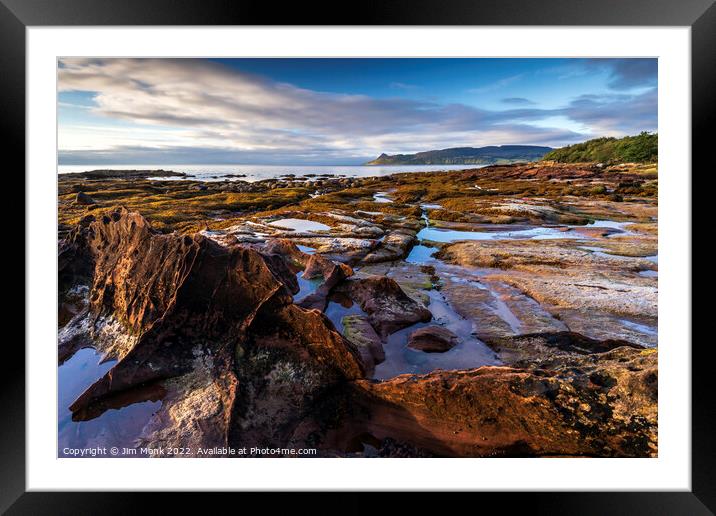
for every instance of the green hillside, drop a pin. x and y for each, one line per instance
(643, 148)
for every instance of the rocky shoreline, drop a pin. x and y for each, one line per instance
(504, 311)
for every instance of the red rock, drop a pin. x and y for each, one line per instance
(187, 297)
(388, 307)
(316, 266)
(504, 411)
(358, 331)
(432, 339)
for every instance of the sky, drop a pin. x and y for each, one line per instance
(339, 111)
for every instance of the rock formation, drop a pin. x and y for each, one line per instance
(432, 339)
(192, 307)
(212, 331)
(389, 308)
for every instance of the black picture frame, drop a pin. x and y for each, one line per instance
(700, 15)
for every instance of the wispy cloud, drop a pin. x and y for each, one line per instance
(496, 85)
(516, 101)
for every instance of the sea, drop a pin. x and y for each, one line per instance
(259, 172)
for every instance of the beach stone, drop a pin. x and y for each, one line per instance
(432, 339)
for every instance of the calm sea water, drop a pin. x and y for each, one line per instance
(258, 172)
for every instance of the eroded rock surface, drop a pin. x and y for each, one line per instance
(190, 304)
(582, 398)
(587, 405)
(389, 308)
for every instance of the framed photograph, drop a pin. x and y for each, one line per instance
(440, 249)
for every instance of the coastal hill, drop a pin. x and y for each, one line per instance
(492, 155)
(642, 148)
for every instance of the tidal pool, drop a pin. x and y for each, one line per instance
(381, 197)
(337, 311)
(306, 286)
(451, 235)
(641, 328)
(113, 427)
(421, 254)
(299, 225)
(469, 353)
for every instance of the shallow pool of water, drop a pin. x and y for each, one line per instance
(641, 328)
(306, 286)
(451, 235)
(113, 427)
(381, 197)
(337, 311)
(602, 223)
(421, 254)
(469, 353)
(299, 225)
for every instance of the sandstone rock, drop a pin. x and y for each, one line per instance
(188, 302)
(341, 249)
(333, 276)
(388, 307)
(316, 266)
(432, 339)
(599, 404)
(551, 348)
(358, 331)
(596, 232)
(287, 249)
(394, 246)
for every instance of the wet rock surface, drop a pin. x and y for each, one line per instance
(389, 308)
(186, 302)
(359, 332)
(287, 312)
(432, 339)
(583, 405)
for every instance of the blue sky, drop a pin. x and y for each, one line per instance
(339, 111)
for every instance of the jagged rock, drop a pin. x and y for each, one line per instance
(188, 302)
(388, 307)
(432, 339)
(287, 249)
(332, 277)
(291, 363)
(74, 264)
